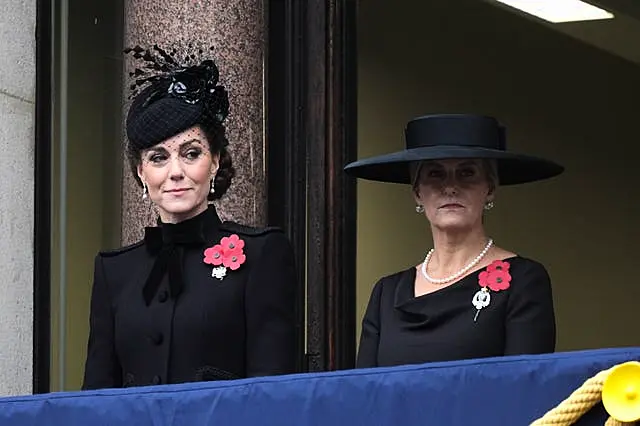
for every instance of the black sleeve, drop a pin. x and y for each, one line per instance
(102, 369)
(370, 335)
(270, 310)
(530, 323)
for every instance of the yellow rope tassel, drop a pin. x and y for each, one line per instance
(578, 403)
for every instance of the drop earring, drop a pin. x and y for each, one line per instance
(213, 188)
(145, 193)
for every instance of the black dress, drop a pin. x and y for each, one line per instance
(159, 316)
(399, 328)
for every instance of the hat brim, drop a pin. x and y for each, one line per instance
(513, 168)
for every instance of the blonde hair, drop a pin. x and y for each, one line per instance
(491, 169)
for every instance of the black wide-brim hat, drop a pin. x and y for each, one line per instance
(454, 136)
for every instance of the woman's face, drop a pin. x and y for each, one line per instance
(178, 174)
(454, 192)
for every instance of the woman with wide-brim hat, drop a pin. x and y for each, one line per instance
(469, 298)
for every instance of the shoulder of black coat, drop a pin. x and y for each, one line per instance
(121, 250)
(248, 231)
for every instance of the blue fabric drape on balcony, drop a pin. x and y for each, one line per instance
(496, 391)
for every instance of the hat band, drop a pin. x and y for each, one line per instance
(419, 138)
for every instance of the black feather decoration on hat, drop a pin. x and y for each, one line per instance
(170, 96)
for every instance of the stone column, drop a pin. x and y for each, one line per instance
(236, 30)
(17, 115)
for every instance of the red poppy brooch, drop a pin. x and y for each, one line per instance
(228, 254)
(495, 277)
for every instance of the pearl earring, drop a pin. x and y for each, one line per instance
(419, 208)
(213, 189)
(144, 191)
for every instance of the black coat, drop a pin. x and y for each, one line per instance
(399, 328)
(159, 316)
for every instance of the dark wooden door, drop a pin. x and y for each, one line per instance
(311, 122)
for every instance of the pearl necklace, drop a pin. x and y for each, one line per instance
(458, 274)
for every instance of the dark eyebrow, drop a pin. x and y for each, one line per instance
(159, 148)
(190, 141)
(155, 149)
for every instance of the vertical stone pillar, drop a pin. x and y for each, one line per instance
(236, 30)
(17, 120)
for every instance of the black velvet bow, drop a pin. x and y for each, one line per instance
(167, 242)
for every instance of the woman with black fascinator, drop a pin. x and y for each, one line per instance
(196, 299)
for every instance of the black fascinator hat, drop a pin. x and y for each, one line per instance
(172, 92)
(450, 136)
